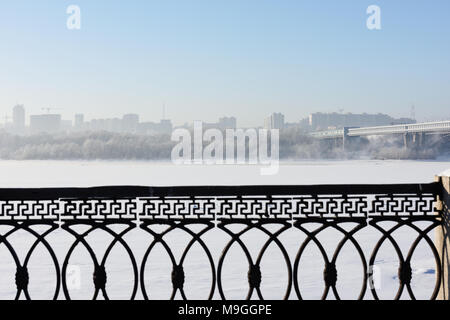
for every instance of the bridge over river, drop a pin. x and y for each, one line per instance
(413, 133)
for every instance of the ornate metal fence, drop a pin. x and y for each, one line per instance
(271, 210)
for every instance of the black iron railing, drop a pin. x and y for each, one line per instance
(273, 211)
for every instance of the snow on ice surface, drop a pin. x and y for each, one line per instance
(197, 269)
(23, 174)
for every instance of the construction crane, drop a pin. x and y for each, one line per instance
(48, 109)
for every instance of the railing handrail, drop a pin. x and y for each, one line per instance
(124, 192)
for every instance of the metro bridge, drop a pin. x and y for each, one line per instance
(412, 133)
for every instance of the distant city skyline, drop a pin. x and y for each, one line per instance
(132, 123)
(207, 59)
(260, 122)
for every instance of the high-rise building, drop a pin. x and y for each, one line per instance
(79, 121)
(166, 126)
(152, 128)
(274, 121)
(19, 118)
(223, 124)
(45, 123)
(130, 122)
(227, 123)
(324, 121)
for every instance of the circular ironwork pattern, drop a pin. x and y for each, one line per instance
(255, 275)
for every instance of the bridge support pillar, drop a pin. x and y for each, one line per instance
(414, 140)
(423, 139)
(345, 138)
(443, 237)
(407, 140)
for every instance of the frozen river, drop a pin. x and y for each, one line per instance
(84, 174)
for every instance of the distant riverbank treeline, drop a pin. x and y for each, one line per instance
(294, 145)
(90, 146)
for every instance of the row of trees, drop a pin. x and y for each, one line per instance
(104, 145)
(293, 145)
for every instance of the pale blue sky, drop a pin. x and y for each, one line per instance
(206, 59)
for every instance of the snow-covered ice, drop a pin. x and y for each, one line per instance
(23, 174)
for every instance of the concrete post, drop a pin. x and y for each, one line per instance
(443, 238)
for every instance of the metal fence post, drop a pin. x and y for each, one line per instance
(443, 237)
